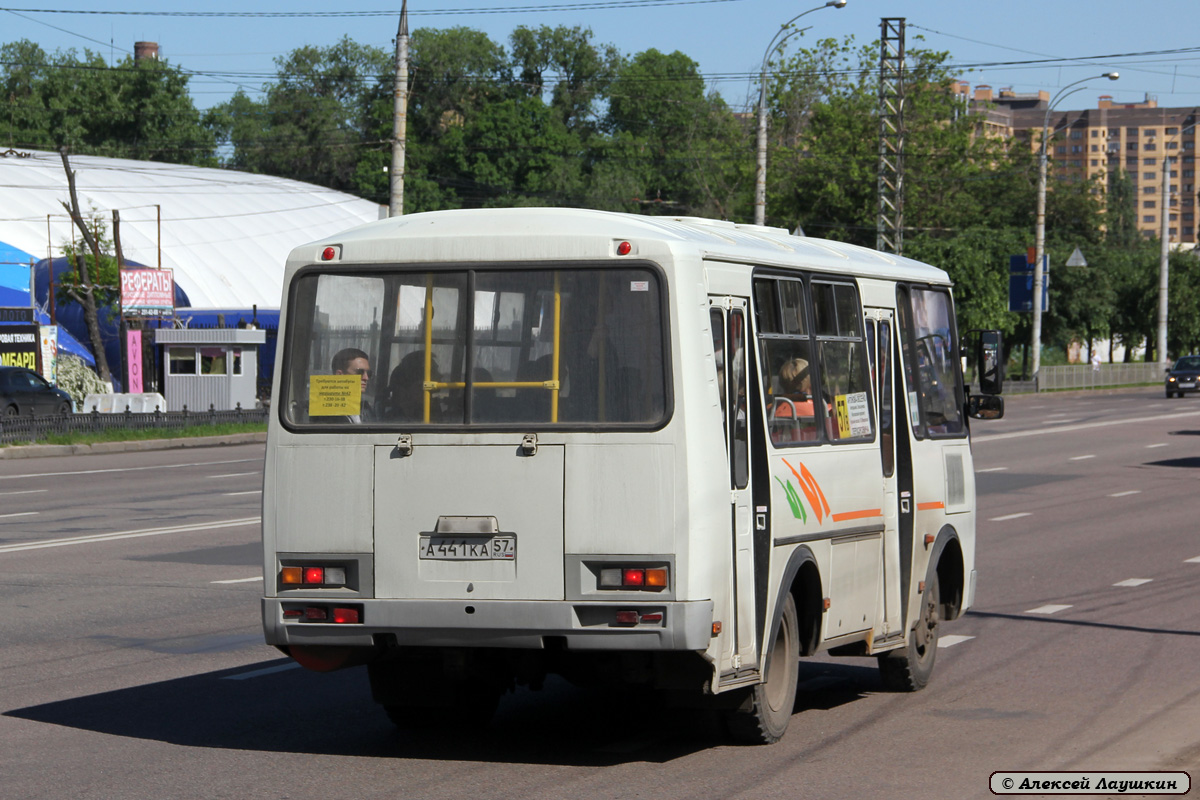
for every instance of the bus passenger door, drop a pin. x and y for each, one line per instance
(730, 334)
(880, 334)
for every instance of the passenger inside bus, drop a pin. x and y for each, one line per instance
(352, 361)
(405, 398)
(792, 413)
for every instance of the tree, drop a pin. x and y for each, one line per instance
(135, 109)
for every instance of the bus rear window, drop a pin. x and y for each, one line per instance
(487, 348)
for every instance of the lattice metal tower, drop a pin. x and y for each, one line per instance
(889, 227)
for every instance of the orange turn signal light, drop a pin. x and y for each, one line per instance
(656, 577)
(291, 575)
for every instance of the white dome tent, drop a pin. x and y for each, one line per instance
(224, 234)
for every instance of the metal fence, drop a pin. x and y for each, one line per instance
(34, 429)
(1085, 376)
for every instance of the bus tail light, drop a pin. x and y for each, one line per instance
(312, 576)
(338, 615)
(635, 578)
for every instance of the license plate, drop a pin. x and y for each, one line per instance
(469, 548)
(1187, 384)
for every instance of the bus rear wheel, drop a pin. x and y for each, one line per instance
(764, 716)
(909, 668)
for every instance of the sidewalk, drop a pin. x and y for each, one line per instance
(45, 450)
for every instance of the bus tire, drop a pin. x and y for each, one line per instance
(909, 668)
(764, 716)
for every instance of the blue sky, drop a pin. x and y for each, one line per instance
(726, 37)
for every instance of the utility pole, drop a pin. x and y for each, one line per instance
(400, 117)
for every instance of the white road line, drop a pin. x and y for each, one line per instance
(1081, 458)
(996, 437)
(1050, 609)
(258, 673)
(107, 537)
(992, 469)
(1007, 517)
(1126, 494)
(125, 469)
(1059, 421)
(21, 514)
(1195, 560)
(236, 494)
(1152, 446)
(240, 580)
(235, 475)
(1134, 582)
(950, 641)
(23, 491)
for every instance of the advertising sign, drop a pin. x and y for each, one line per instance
(49, 339)
(19, 346)
(133, 361)
(147, 293)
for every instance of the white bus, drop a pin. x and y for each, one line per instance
(673, 452)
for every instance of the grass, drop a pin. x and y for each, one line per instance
(133, 435)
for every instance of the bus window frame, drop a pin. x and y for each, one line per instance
(294, 324)
(905, 326)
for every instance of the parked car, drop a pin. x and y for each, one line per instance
(23, 391)
(1183, 376)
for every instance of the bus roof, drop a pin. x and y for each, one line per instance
(522, 234)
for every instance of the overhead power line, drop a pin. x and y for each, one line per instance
(594, 6)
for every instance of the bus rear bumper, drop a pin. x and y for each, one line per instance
(520, 624)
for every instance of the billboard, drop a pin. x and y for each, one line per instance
(19, 346)
(147, 293)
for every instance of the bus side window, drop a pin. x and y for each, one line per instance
(787, 362)
(845, 385)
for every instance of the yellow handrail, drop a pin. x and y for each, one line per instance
(427, 392)
(554, 384)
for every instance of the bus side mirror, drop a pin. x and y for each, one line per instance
(985, 406)
(989, 349)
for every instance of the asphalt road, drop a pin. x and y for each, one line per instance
(131, 663)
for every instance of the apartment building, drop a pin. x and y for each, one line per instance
(1134, 137)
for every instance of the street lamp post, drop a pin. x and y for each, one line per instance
(1165, 248)
(1040, 230)
(760, 172)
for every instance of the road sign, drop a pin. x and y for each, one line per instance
(1020, 283)
(1076, 259)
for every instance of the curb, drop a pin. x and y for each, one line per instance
(48, 450)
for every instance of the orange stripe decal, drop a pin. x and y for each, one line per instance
(930, 506)
(865, 513)
(817, 486)
(809, 492)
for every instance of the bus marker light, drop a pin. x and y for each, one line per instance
(346, 616)
(292, 613)
(329, 254)
(316, 613)
(624, 248)
(634, 577)
(291, 575)
(627, 618)
(314, 575)
(655, 617)
(716, 629)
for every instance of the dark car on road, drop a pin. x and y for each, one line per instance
(1183, 376)
(23, 391)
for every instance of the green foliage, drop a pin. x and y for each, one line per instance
(104, 278)
(139, 110)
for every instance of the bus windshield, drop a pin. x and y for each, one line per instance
(486, 348)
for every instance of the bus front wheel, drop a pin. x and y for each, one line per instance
(764, 716)
(909, 668)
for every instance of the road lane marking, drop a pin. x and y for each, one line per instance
(1050, 609)
(237, 494)
(134, 534)
(1007, 517)
(1134, 582)
(1195, 560)
(239, 580)
(1081, 458)
(1059, 421)
(23, 491)
(992, 469)
(995, 437)
(258, 673)
(1126, 494)
(125, 469)
(950, 641)
(21, 514)
(1160, 444)
(234, 475)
